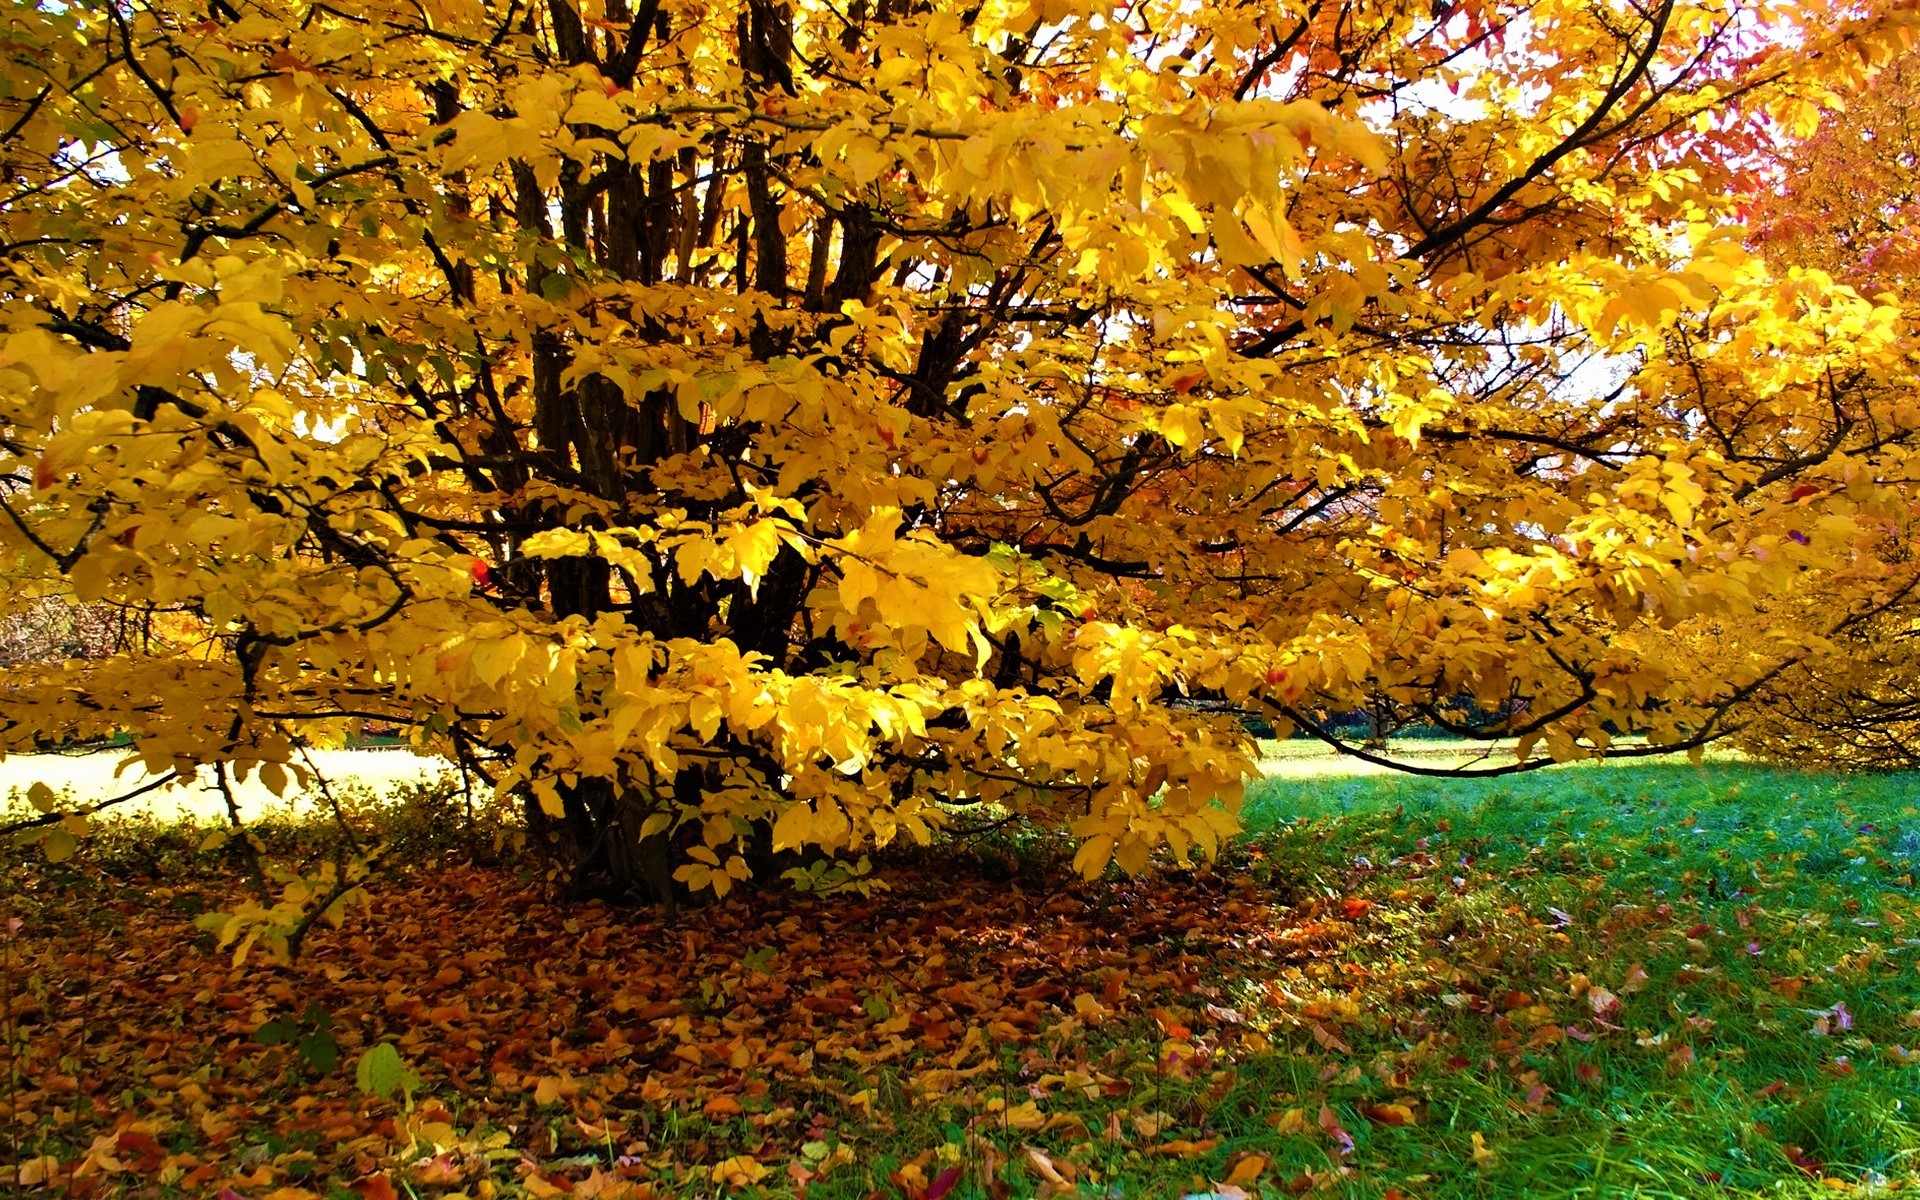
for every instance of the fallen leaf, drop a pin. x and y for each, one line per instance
(1246, 1170)
(721, 1106)
(1605, 1005)
(740, 1171)
(1330, 1125)
(1024, 1116)
(375, 1187)
(1483, 1157)
(540, 1187)
(1048, 1171)
(1183, 1148)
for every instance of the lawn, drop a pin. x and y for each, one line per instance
(1653, 980)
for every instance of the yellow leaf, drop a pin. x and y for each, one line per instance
(1483, 1157)
(1093, 856)
(794, 827)
(742, 1170)
(1025, 1117)
(538, 1187)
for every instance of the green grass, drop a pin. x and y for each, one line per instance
(1752, 898)
(1757, 928)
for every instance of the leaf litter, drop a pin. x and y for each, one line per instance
(1292, 1023)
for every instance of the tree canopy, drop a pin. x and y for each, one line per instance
(736, 427)
(1842, 201)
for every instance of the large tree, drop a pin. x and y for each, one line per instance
(738, 426)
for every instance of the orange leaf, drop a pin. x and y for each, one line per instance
(739, 1171)
(1388, 1114)
(1246, 1170)
(1182, 1148)
(1186, 381)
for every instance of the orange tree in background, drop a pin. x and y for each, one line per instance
(739, 427)
(1845, 201)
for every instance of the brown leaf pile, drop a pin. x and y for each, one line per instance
(598, 1047)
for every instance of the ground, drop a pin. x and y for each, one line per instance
(1650, 980)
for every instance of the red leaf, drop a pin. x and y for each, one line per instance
(1605, 1005)
(943, 1183)
(1330, 1125)
(375, 1187)
(1187, 381)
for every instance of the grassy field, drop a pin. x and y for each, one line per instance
(1650, 980)
(1641, 980)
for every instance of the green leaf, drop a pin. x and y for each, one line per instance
(382, 1072)
(276, 1032)
(321, 1052)
(58, 844)
(759, 961)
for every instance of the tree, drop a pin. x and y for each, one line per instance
(1840, 200)
(750, 427)
(1844, 199)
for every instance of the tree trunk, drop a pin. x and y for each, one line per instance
(597, 842)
